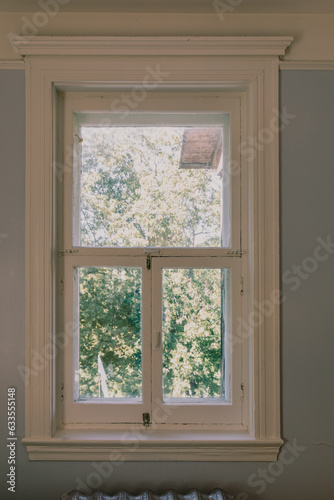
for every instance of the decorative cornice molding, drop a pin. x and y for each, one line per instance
(307, 65)
(167, 45)
(5, 64)
(283, 65)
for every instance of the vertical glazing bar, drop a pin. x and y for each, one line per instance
(76, 333)
(76, 195)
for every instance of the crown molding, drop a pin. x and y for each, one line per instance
(5, 64)
(310, 65)
(307, 65)
(168, 45)
(283, 65)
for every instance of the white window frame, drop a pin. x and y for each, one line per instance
(94, 108)
(240, 64)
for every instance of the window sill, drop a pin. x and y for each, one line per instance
(152, 445)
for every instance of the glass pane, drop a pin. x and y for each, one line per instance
(150, 187)
(108, 308)
(194, 329)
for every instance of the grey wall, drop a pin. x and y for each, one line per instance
(307, 212)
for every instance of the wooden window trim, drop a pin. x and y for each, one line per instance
(247, 64)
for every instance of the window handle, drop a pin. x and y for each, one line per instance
(157, 340)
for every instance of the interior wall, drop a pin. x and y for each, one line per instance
(304, 469)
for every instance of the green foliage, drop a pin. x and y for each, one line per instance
(110, 325)
(192, 333)
(133, 193)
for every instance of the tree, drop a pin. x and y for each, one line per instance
(110, 324)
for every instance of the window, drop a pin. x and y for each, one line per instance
(221, 94)
(151, 262)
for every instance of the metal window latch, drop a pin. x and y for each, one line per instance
(67, 252)
(236, 253)
(149, 254)
(146, 419)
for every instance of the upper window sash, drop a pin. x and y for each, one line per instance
(173, 109)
